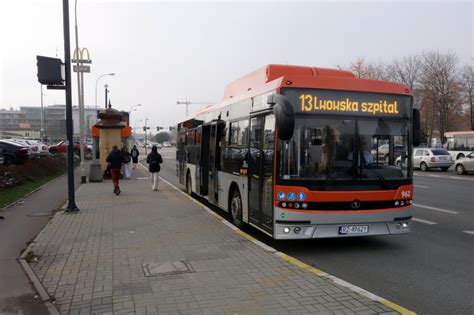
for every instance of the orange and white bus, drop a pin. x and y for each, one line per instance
(292, 151)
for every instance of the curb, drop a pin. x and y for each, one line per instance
(42, 292)
(40, 289)
(294, 261)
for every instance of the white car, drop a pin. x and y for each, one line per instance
(465, 164)
(42, 148)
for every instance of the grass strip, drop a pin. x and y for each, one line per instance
(9, 195)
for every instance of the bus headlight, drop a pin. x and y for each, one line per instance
(286, 230)
(397, 203)
(304, 205)
(297, 230)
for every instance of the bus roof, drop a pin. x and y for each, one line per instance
(310, 77)
(274, 77)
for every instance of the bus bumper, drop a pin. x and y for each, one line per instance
(354, 225)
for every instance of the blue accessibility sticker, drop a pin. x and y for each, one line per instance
(301, 196)
(291, 196)
(281, 195)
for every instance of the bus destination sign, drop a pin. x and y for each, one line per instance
(311, 101)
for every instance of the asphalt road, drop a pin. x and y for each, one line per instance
(429, 271)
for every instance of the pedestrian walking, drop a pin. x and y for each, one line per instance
(134, 153)
(115, 160)
(154, 160)
(127, 163)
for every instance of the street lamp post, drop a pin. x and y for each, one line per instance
(106, 87)
(134, 106)
(97, 82)
(71, 206)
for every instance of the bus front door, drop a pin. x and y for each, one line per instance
(260, 171)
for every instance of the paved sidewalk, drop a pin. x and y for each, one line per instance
(93, 261)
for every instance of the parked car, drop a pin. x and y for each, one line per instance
(426, 158)
(43, 149)
(32, 148)
(382, 154)
(465, 164)
(61, 147)
(13, 153)
(166, 144)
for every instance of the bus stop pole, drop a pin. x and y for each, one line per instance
(71, 206)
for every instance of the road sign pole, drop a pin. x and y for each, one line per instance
(71, 206)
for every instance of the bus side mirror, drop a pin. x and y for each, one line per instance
(416, 127)
(284, 116)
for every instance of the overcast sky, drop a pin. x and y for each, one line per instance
(166, 51)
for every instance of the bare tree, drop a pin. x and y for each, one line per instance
(368, 70)
(441, 89)
(468, 83)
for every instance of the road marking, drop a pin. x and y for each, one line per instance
(435, 209)
(419, 186)
(469, 232)
(423, 221)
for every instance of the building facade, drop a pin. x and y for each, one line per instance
(27, 121)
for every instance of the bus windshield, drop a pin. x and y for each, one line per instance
(342, 150)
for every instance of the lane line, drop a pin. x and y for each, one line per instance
(469, 232)
(435, 209)
(295, 261)
(419, 186)
(423, 221)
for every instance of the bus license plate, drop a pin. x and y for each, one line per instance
(353, 229)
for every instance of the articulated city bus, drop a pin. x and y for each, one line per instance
(293, 151)
(459, 143)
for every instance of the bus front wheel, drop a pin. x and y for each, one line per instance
(236, 208)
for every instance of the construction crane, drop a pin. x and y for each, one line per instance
(187, 103)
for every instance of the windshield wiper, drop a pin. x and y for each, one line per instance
(379, 176)
(331, 179)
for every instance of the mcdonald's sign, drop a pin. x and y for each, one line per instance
(79, 54)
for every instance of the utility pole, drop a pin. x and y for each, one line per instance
(42, 136)
(145, 130)
(71, 207)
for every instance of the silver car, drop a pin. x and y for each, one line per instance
(426, 158)
(465, 164)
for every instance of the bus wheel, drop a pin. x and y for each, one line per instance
(423, 167)
(189, 186)
(236, 208)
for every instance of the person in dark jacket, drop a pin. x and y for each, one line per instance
(115, 160)
(154, 160)
(134, 153)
